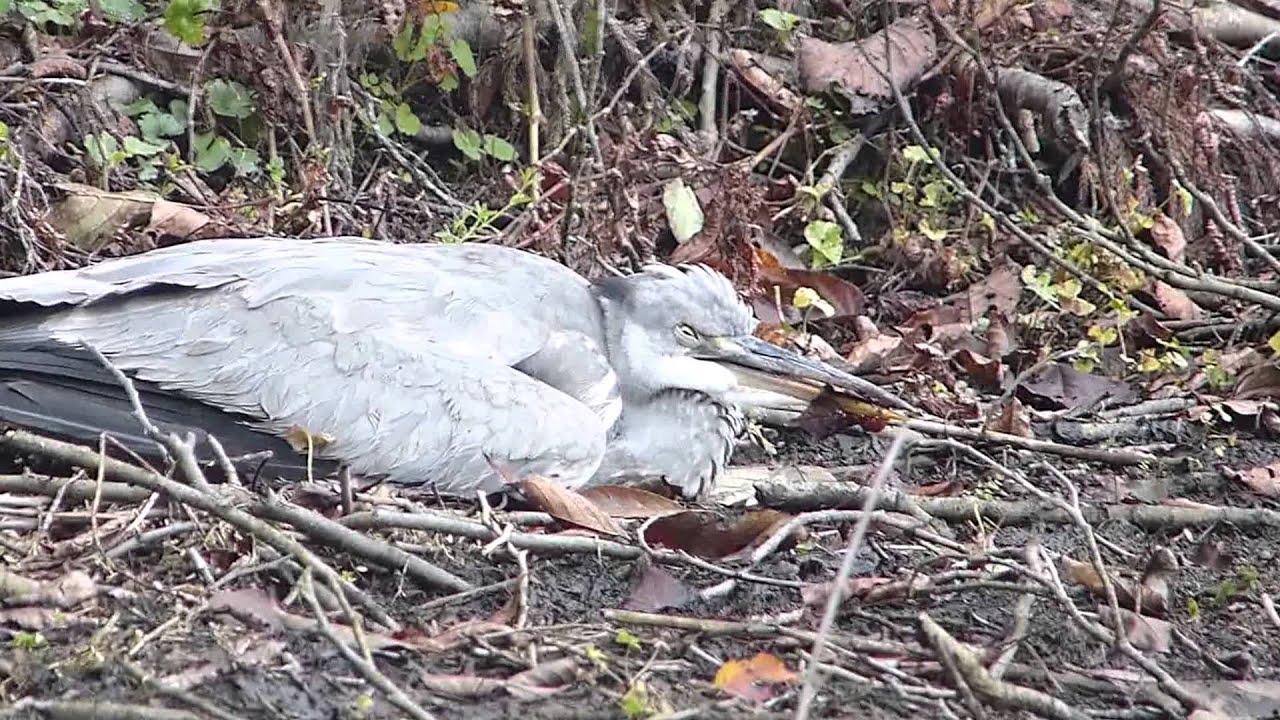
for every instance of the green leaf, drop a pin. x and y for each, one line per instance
(1274, 343)
(137, 146)
(140, 106)
(159, 125)
(403, 43)
(244, 161)
(807, 297)
(386, 123)
(468, 143)
(185, 19)
(123, 11)
(100, 148)
(448, 83)
(915, 154)
(5, 6)
(684, 214)
(212, 152)
(827, 241)
(229, 98)
(626, 639)
(929, 231)
(499, 149)
(462, 55)
(406, 122)
(779, 20)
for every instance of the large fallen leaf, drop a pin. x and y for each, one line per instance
(684, 214)
(89, 216)
(753, 679)
(863, 69)
(1262, 479)
(1150, 594)
(866, 590)
(1236, 698)
(1174, 302)
(1012, 420)
(706, 535)
(622, 501)
(568, 505)
(657, 590)
(1167, 235)
(999, 290)
(1058, 385)
(1148, 634)
(63, 592)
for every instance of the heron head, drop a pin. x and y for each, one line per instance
(685, 327)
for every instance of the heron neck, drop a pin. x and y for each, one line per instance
(683, 436)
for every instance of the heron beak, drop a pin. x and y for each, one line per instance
(763, 366)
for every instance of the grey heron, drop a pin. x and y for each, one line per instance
(421, 364)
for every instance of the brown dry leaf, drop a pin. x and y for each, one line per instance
(462, 686)
(866, 590)
(1012, 420)
(765, 75)
(999, 291)
(706, 535)
(999, 343)
(545, 678)
(1175, 302)
(1236, 698)
(63, 592)
(1146, 633)
(89, 216)
(753, 679)
(845, 297)
(944, 488)
(1167, 235)
(1262, 479)
(871, 354)
(48, 66)
(1058, 386)
(1153, 591)
(900, 53)
(568, 505)
(983, 370)
(1261, 381)
(657, 590)
(622, 501)
(454, 637)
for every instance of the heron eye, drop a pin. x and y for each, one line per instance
(686, 333)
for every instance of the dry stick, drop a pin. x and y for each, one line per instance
(382, 519)
(275, 32)
(246, 523)
(363, 665)
(968, 665)
(811, 675)
(329, 532)
(1111, 457)
(711, 626)
(711, 70)
(1116, 637)
(1091, 228)
(567, 38)
(529, 40)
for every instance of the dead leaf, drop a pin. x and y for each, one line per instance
(657, 590)
(1000, 290)
(863, 69)
(1167, 235)
(765, 75)
(1153, 590)
(1146, 633)
(983, 370)
(870, 355)
(753, 679)
(1261, 479)
(452, 638)
(622, 501)
(706, 535)
(545, 678)
(1012, 420)
(1175, 302)
(866, 590)
(63, 592)
(89, 216)
(462, 686)
(844, 297)
(568, 505)
(1236, 698)
(1260, 381)
(1058, 385)
(944, 488)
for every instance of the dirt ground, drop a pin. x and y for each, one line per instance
(150, 621)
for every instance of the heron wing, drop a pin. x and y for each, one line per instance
(404, 355)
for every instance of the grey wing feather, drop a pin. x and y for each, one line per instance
(404, 354)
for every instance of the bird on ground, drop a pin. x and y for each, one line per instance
(425, 365)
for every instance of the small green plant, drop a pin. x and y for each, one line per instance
(807, 300)
(783, 23)
(5, 150)
(826, 239)
(479, 222)
(1172, 356)
(27, 641)
(187, 20)
(476, 146)
(627, 640)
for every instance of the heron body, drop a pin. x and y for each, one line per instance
(421, 364)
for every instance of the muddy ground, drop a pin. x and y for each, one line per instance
(150, 623)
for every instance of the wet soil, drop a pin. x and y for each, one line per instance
(151, 616)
